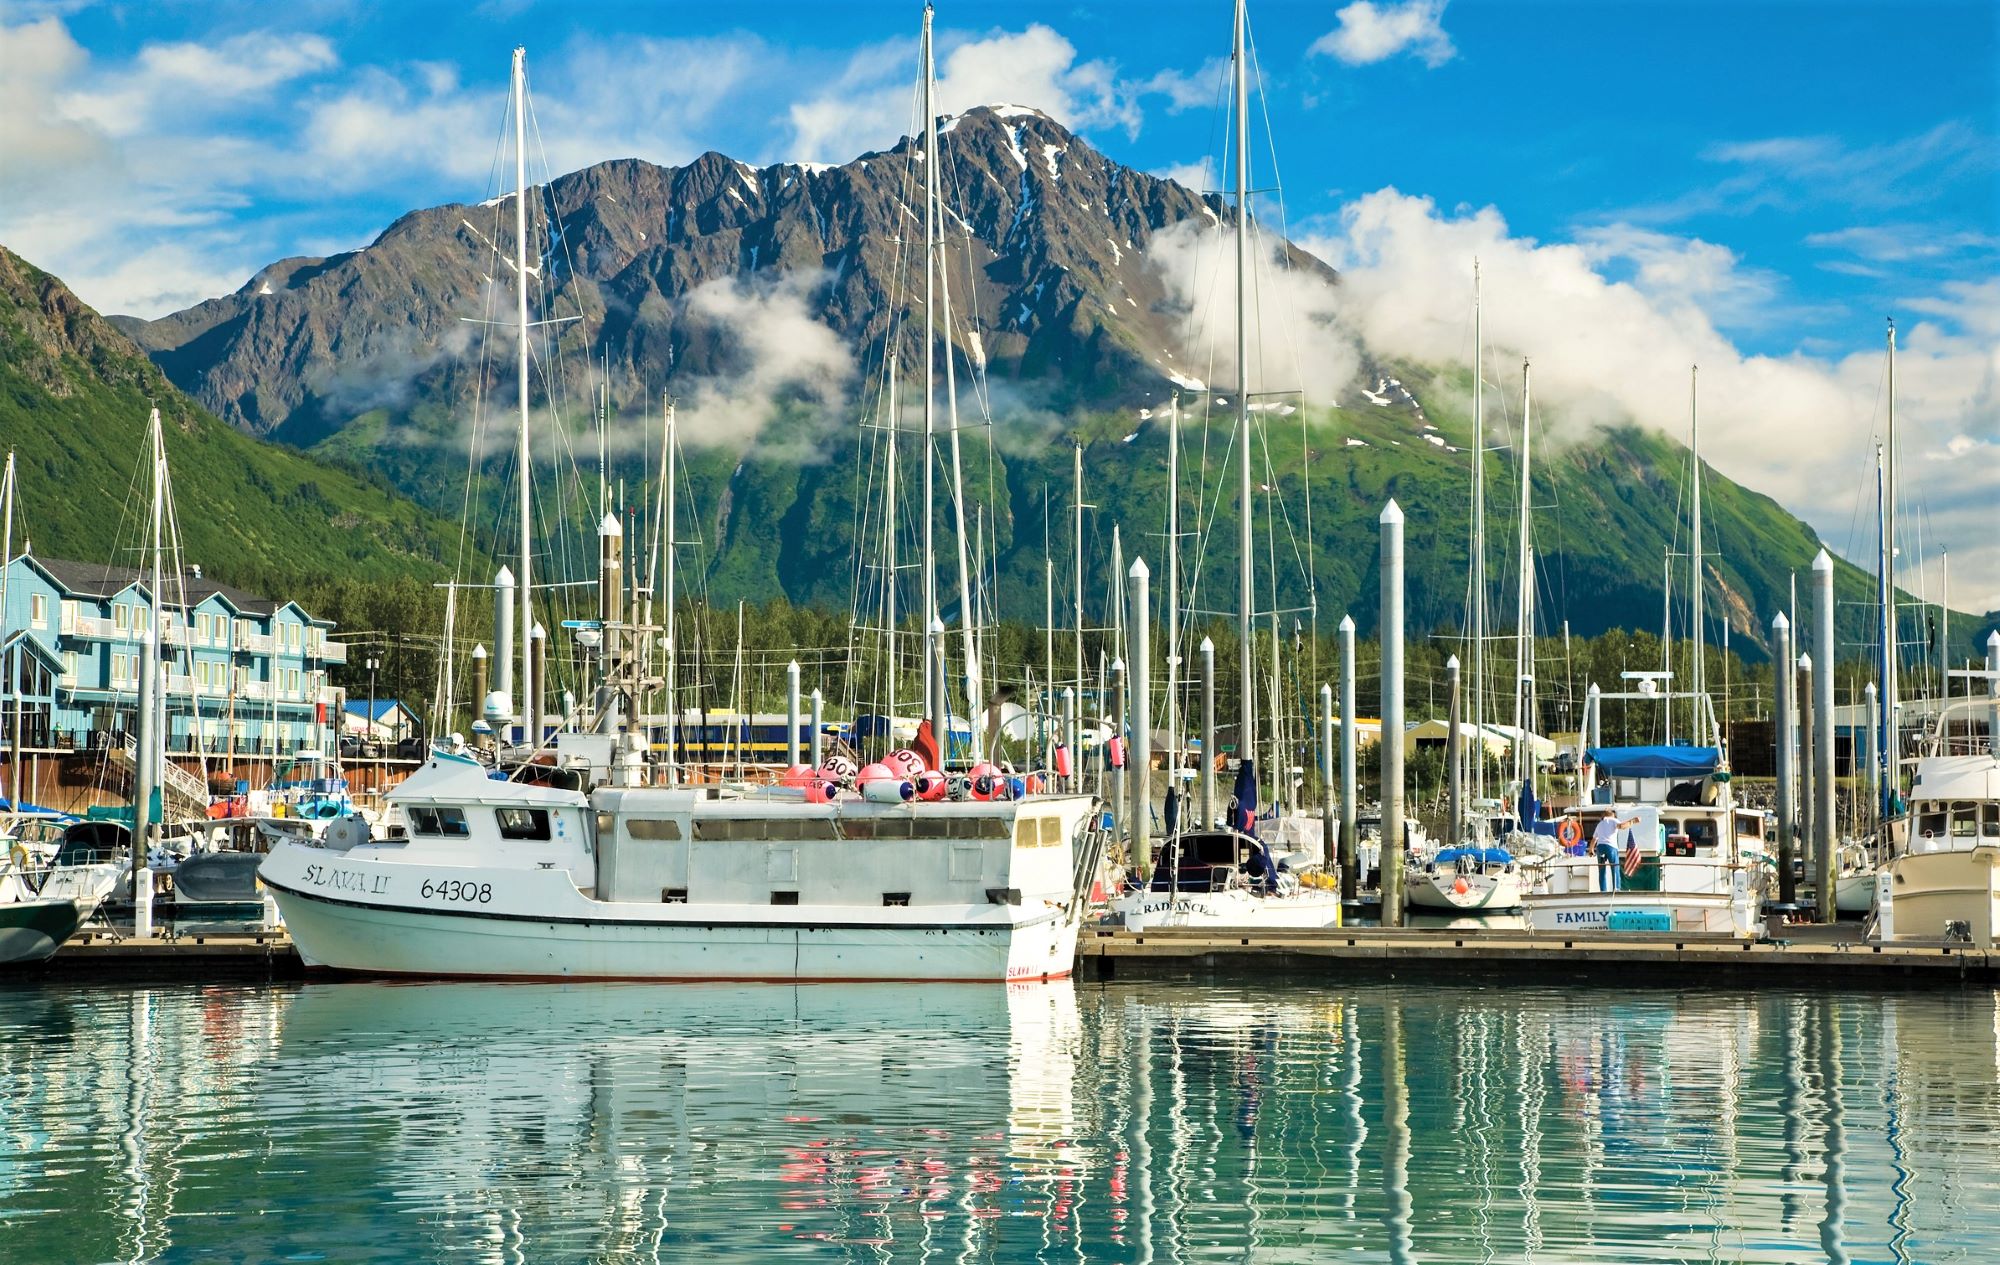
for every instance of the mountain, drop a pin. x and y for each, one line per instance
(718, 272)
(74, 395)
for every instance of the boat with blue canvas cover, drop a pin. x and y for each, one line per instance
(1684, 858)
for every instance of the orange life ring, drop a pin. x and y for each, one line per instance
(1571, 831)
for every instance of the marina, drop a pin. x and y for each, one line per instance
(855, 659)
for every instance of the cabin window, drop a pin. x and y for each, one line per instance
(1051, 832)
(449, 822)
(1930, 825)
(895, 900)
(1964, 820)
(1701, 831)
(523, 823)
(673, 896)
(784, 898)
(656, 829)
(1026, 833)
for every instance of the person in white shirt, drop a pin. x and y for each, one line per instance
(1604, 842)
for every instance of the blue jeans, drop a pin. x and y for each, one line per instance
(1607, 868)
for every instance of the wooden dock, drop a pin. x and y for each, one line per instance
(1812, 955)
(222, 955)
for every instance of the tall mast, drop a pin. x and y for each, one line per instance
(1246, 744)
(968, 620)
(147, 758)
(889, 549)
(1524, 606)
(1891, 697)
(931, 705)
(1076, 504)
(1173, 587)
(525, 593)
(1698, 669)
(11, 686)
(1478, 746)
(668, 472)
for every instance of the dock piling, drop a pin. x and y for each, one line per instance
(1329, 837)
(1207, 733)
(1781, 675)
(1350, 783)
(1391, 745)
(792, 715)
(1824, 859)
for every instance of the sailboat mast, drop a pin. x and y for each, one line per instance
(1076, 503)
(1173, 587)
(525, 593)
(931, 705)
(1524, 605)
(1891, 697)
(147, 759)
(1698, 668)
(12, 686)
(1246, 739)
(889, 549)
(669, 464)
(1478, 747)
(967, 614)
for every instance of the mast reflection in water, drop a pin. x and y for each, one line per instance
(1141, 1122)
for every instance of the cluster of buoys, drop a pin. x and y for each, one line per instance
(901, 776)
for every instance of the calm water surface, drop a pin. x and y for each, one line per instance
(1265, 1121)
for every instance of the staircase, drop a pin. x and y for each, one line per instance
(182, 794)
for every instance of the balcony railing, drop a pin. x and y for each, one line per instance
(333, 652)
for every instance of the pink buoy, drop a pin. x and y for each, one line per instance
(819, 792)
(1115, 752)
(797, 775)
(1062, 760)
(931, 785)
(904, 761)
(982, 787)
(877, 773)
(839, 770)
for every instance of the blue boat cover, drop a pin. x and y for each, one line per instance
(1487, 856)
(1674, 761)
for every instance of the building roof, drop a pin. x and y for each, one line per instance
(384, 708)
(93, 579)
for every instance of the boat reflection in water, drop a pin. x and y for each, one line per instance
(1158, 1121)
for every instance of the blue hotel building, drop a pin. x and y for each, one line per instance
(244, 675)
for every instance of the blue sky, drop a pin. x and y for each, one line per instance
(1763, 182)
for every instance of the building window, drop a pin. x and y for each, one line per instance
(69, 613)
(38, 610)
(121, 617)
(69, 664)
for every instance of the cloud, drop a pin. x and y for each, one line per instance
(1613, 323)
(1185, 91)
(774, 353)
(1903, 243)
(873, 101)
(1370, 33)
(1198, 176)
(1298, 334)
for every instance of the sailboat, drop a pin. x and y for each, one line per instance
(1210, 873)
(1480, 874)
(622, 874)
(1684, 857)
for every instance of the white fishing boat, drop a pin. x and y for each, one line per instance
(591, 867)
(1947, 882)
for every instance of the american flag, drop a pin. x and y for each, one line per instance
(1631, 865)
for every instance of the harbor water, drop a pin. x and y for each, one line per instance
(1257, 1119)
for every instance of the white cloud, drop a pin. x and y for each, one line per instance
(1198, 176)
(1299, 338)
(1799, 427)
(1370, 33)
(1185, 91)
(1903, 243)
(874, 100)
(777, 351)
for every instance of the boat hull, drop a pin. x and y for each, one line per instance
(1687, 912)
(1936, 888)
(32, 930)
(1482, 893)
(359, 938)
(1231, 910)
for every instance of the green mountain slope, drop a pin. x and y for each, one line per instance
(74, 395)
